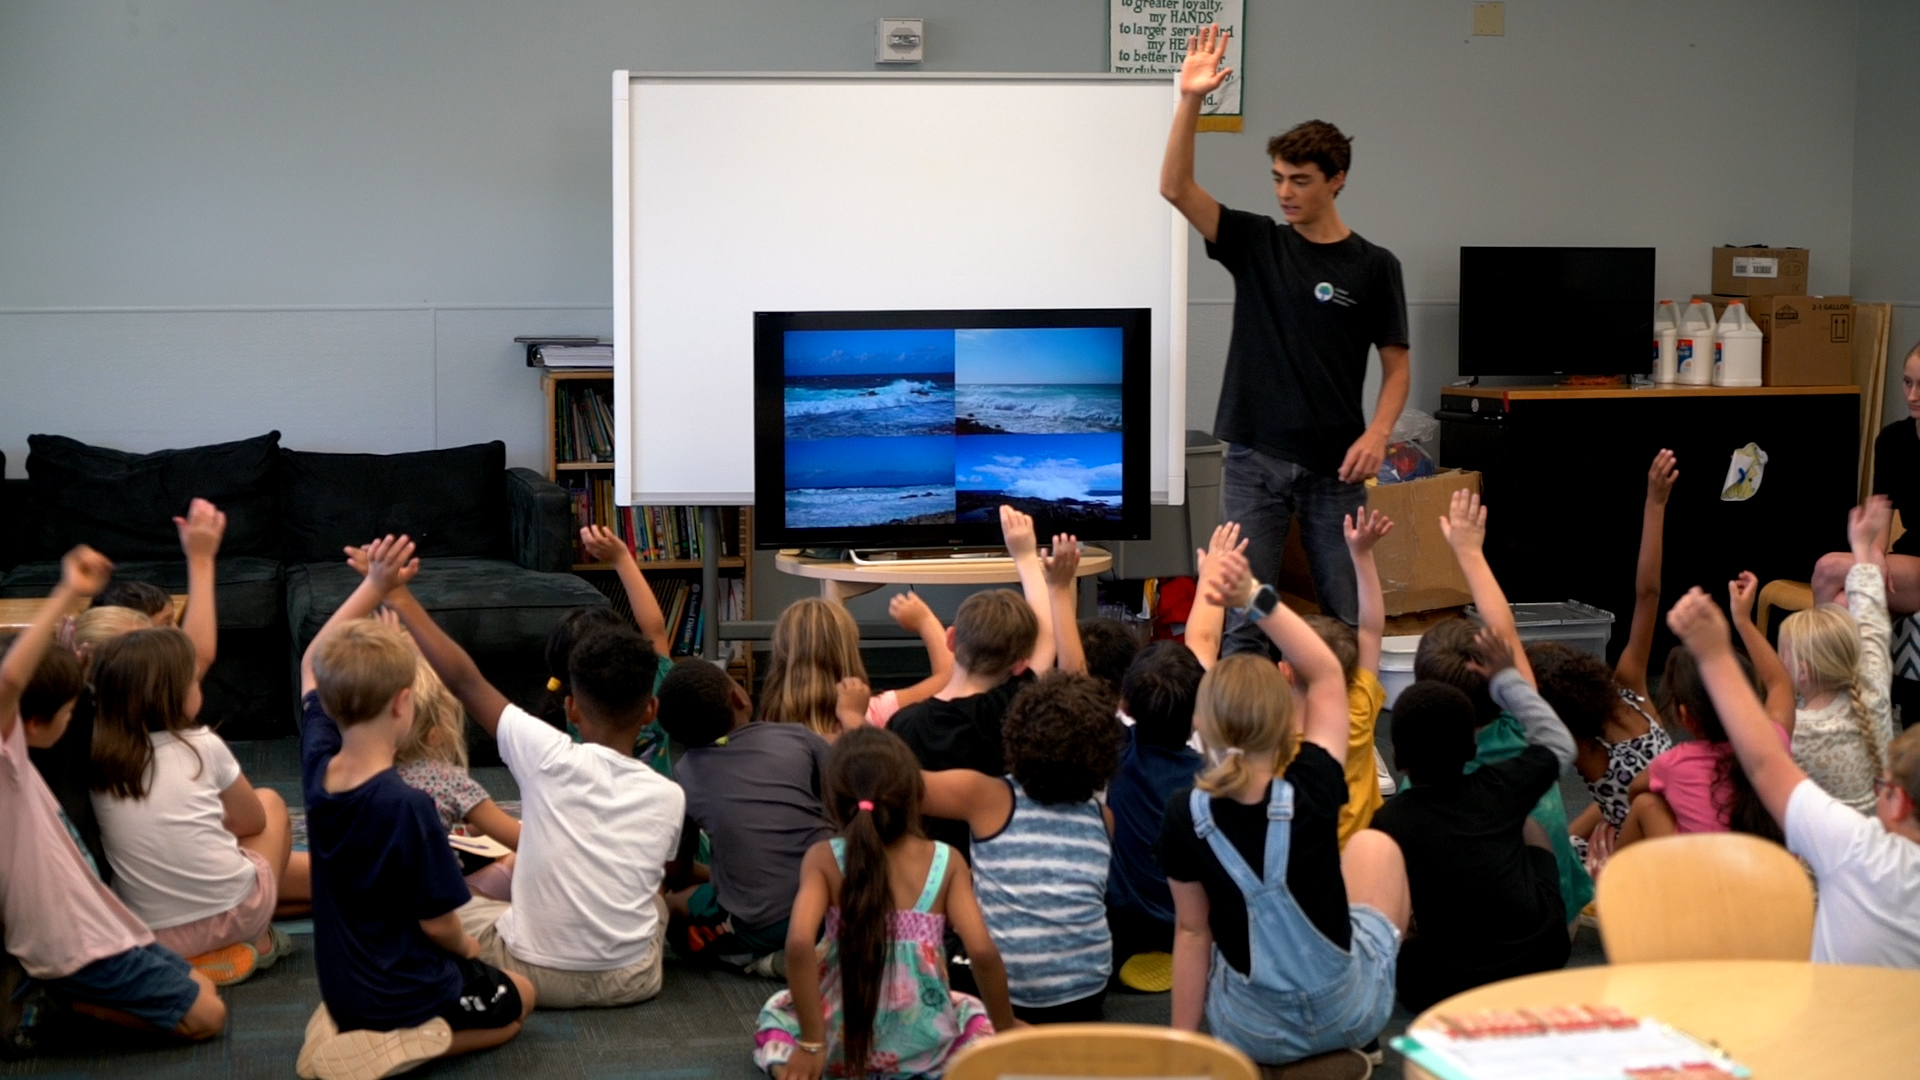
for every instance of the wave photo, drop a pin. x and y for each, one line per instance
(1039, 381)
(859, 481)
(843, 383)
(1064, 481)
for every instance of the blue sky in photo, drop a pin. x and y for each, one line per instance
(870, 461)
(1085, 354)
(868, 352)
(1039, 466)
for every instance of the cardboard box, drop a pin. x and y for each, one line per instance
(1808, 340)
(1757, 271)
(1417, 568)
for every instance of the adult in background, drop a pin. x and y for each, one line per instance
(1311, 296)
(1896, 474)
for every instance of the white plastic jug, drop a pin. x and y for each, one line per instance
(1666, 342)
(1693, 348)
(1736, 348)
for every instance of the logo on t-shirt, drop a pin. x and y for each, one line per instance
(1326, 291)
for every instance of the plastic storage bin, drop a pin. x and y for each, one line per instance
(1396, 664)
(1572, 623)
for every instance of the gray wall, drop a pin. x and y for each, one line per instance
(1886, 177)
(222, 217)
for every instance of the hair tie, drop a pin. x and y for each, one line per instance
(1232, 751)
(553, 685)
(866, 805)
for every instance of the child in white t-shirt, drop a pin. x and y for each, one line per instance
(587, 924)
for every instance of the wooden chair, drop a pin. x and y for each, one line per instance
(1798, 595)
(1116, 1050)
(1705, 896)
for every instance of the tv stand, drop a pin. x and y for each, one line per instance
(939, 556)
(843, 579)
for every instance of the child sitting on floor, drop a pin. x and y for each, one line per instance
(67, 930)
(142, 596)
(878, 898)
(1698, 786)
(1157, 694)
(816, 647)
(1486, 891)
(754, 788)
(1110, 647)
(1041, 847)
(1285, 943)
(1868, 868)
(1358, 650)
(401, 981)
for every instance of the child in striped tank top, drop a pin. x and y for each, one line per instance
(1041, 845)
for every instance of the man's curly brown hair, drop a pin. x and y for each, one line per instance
(1062, 739)
(1315, 141)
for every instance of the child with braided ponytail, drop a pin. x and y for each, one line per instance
(874, 993)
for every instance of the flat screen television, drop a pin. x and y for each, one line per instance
(906, 429)
(1550, 311)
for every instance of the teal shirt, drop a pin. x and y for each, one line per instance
(651, 745)
(1505, 739)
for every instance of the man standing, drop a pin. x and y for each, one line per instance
(1311, 296)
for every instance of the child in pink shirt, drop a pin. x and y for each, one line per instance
(1697, 786)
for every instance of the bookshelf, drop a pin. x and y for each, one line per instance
(666, 539)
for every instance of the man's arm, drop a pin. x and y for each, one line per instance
(602, 545)
(1363, 530)
(1200, 75)
(1697, 622)
(1326, 720)
(1517, 696)
(200, 533)
(1465, 528)
(83, 573)
(1061, 563)
(1016, 529)
(1396, 380)
(1766, 663)
(1632, 668)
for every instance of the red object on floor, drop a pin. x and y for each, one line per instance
(1172, 604)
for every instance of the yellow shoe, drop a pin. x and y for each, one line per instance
(227, 966)
(1149, 973)
(370, 1055)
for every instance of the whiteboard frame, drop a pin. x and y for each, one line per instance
(626, 448)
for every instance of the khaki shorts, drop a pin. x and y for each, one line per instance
(557, 989)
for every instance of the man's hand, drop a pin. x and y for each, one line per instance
(1740, 593)
(1492, 654)
(603, 545)
(201, 530)
(1201, 73)
(909, 610)
(1660, 477)
(1465, 525)
(1866, 524)
(851, 708)
(390, 563)
(1363, 457)
(1231, 584)
(1062, 561)
(1017, 529)
(1697, 622)
(85, 572)
(1365, 529)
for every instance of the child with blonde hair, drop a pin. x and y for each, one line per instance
(816, 648)
(432, 757)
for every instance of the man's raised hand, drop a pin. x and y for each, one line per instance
(1201, 73)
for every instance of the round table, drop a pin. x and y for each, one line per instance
(842, 579)
(1780, 1018)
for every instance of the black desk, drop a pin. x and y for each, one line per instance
(1565, 471)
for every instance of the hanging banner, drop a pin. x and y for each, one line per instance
(1150, 37)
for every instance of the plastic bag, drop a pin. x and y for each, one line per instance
(1414, 426)
(1405, 461)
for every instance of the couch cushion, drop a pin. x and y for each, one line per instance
(247, 590)
(489, 606)
(124, 504)
(452, 502)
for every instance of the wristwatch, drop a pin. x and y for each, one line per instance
(1264, 601)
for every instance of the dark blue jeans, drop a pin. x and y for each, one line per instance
(1264, 494)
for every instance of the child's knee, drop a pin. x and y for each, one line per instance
(272, 802)
(208, 1016)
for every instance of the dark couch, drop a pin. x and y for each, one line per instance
(495, 547)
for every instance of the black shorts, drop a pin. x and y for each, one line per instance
(488, 999)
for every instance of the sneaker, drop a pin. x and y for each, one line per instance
(771, 966)
(227, 966)
(1375, 1056)
(282, 945)
(320, 1028)
(1149, 973)
(370, 1055)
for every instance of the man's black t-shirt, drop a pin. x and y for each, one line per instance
(1313, 854)
(960, 734)
(1304, 315)
(1479, 898)
(1896, 474)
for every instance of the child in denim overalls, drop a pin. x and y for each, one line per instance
(1294, 956)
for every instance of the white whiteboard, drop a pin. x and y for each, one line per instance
(741, 193)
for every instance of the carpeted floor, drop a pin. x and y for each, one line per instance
(701, 1026)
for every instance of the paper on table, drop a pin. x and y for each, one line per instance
(1607, 1054)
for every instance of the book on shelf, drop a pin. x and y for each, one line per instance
(583, 422)
(680, 608)
(655, 533)
(567, 352)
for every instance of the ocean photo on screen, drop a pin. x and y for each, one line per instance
(1062, 480)
(865, 480)
(1038, 381)
(841, 383)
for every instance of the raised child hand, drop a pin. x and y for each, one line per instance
(1364, 529)
(1017, 529)
(1062, 561)
(390, 563)
(1492, 654)
(604, 545)
(1661, 475)
(201, 530)
(85, 571)
(1201, 73)
(1866, 524)
(851, 708)
(1230, 583)
(1740, 593)
(909, 610)
(1226, 537)
(1465, 525)
(1697, 622)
